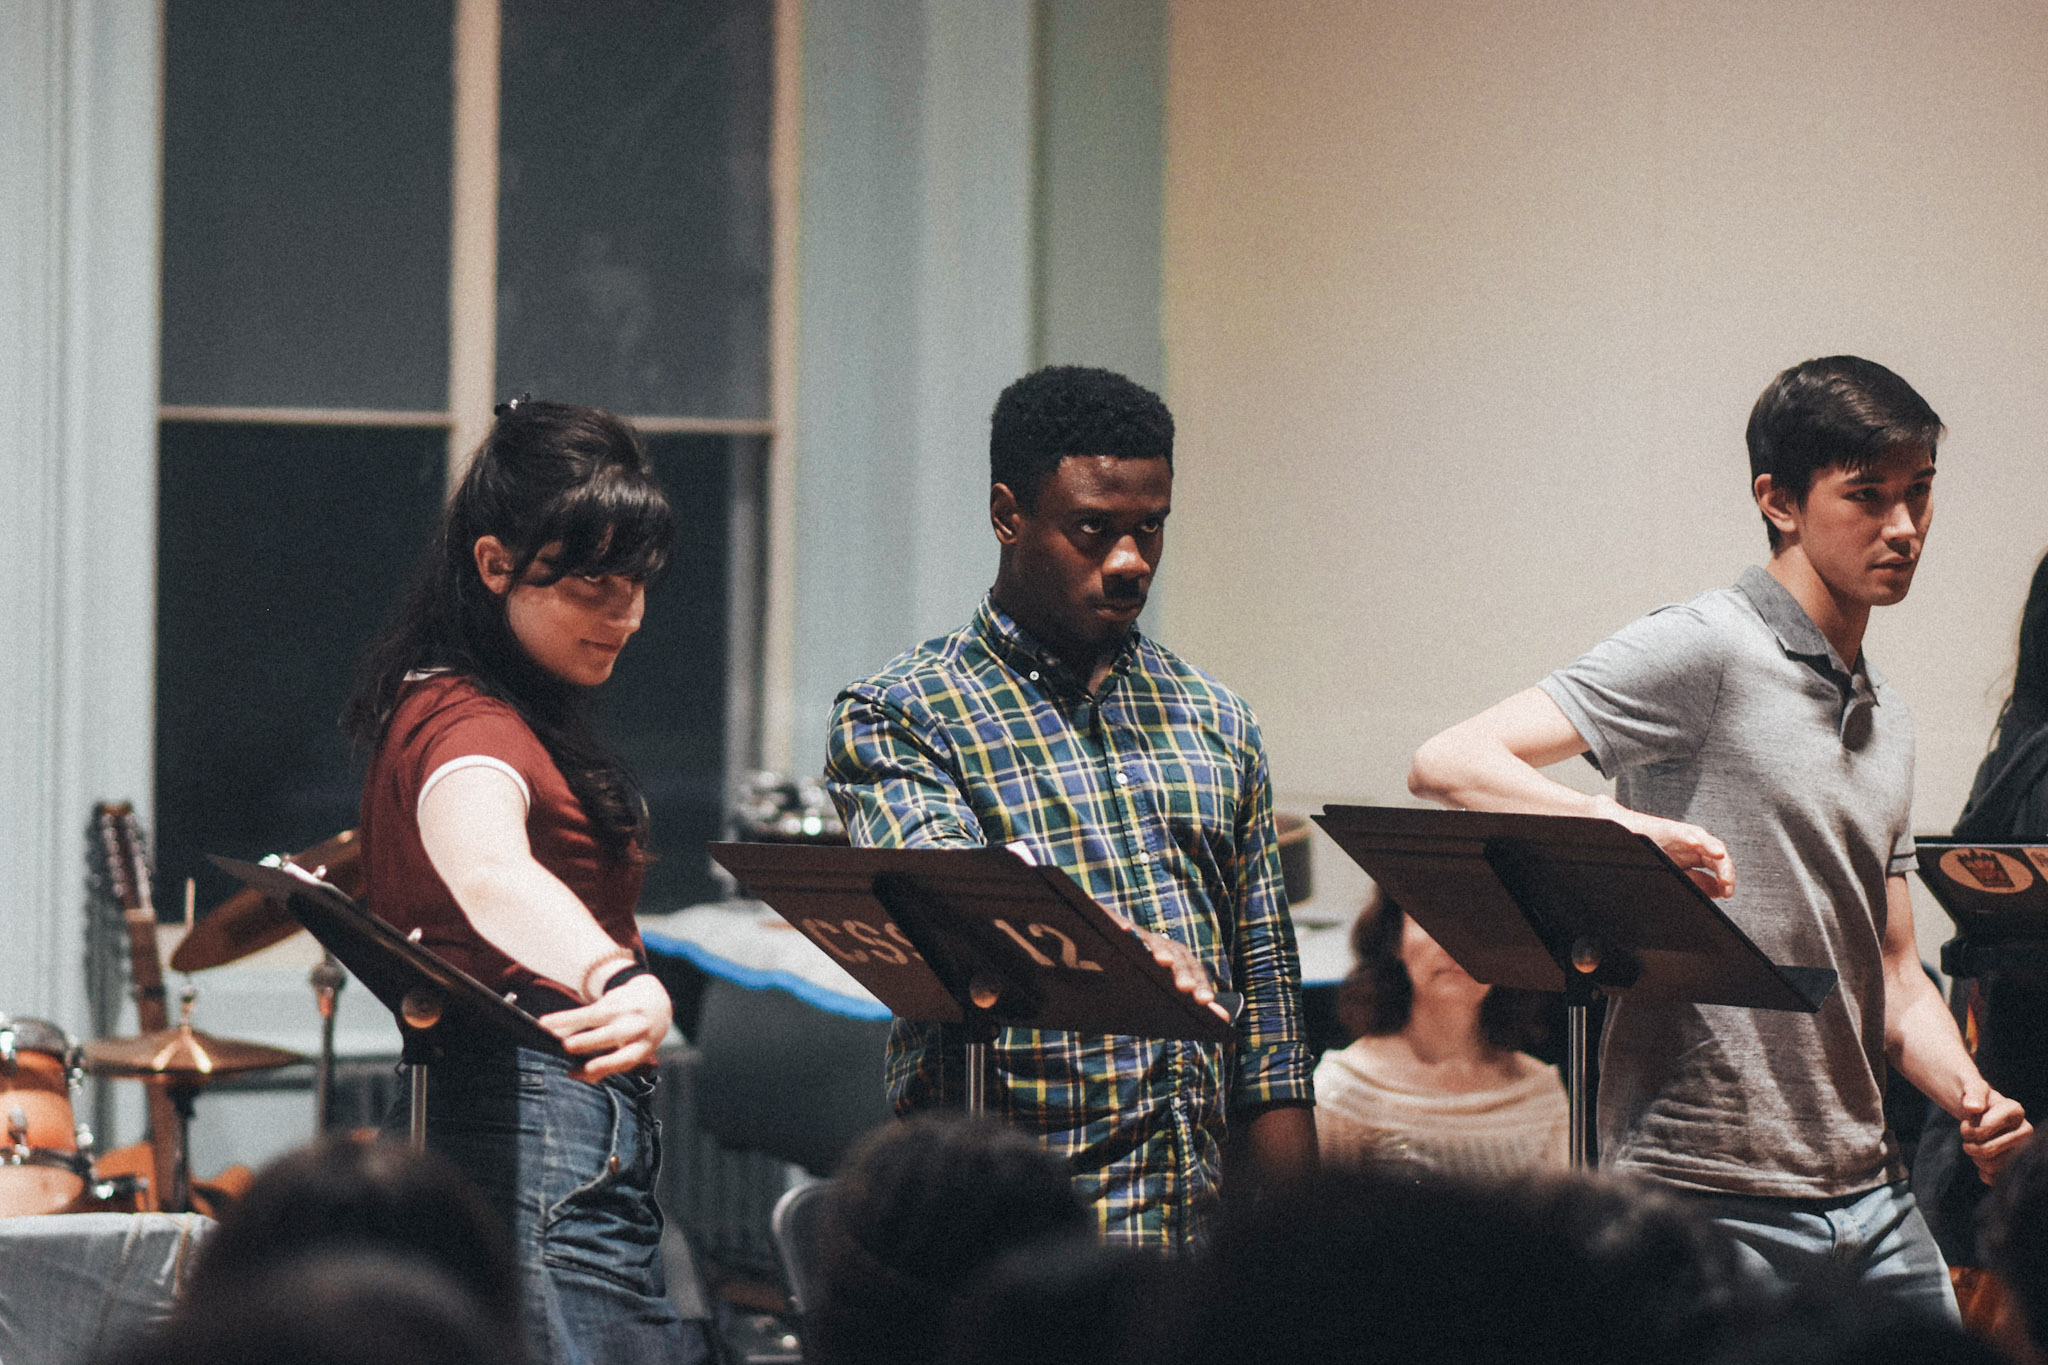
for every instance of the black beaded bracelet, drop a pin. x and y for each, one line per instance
(622, 976)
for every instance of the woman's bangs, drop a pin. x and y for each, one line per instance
(612, 527)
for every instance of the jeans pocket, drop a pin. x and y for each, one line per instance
(605, 1223)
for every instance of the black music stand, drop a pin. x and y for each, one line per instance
(1997, 895)
(974, 936)
(437, 1006)
(1567, 905)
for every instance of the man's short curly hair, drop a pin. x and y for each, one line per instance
(1065, 410)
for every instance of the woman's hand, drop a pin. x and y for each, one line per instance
(618, 1031)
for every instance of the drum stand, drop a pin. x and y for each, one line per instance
(184, 1096)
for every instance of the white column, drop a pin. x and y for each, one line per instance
(914, 312)
(974, 291)
(79, 206)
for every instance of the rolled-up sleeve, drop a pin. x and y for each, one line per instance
(891, 779)
(1272, 1063)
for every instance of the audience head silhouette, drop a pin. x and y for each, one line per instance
(337, 1306)
(1375, 1264)
(919, 1210)
(340, 1195)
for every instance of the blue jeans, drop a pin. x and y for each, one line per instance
(1877, 1236)
(570, 1167)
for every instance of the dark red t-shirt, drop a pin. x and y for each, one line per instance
(441, 719)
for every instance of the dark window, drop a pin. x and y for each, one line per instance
(280, 551)
(307, 153)
(633, 243)
(667, 705)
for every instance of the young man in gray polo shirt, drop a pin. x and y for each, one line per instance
(1749, 737)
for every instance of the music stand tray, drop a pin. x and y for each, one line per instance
(1997, 895)
(1566, 904)
(437, 1005)
(978, 936)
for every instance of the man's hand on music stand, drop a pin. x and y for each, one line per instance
(1189, 976)
(1703, 857)
(616, 1032)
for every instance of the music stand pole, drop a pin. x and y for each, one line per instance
(981, 1032)
(420, 1011)
(416, 1134)
(1578, 1006)
(326, 978)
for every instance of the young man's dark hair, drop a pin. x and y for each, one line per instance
(1840, 411)
(1067, 410)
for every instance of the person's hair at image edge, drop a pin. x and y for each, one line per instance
(1837, 412)
(548, 473)
(1065, 410)
(2027, 703)
(2015, 1224)
(1376, 996)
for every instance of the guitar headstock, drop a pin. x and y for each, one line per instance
(123, 857)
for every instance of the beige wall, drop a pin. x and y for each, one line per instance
(1466, 304)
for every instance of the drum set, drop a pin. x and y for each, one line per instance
(48, 1158)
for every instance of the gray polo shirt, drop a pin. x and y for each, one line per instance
(1732, 712)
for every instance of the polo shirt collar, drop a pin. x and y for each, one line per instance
(1801, 639)
(1020, 649)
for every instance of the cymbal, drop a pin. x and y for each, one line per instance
(249, 921)
(181, 1053)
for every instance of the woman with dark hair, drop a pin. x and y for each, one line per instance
(2006, 1010)
(2009, 798)
(501, 833)
(1435, 1075)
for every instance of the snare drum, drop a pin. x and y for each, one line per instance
(41, 1168)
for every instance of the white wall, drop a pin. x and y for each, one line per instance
(981, 194)
(915, 311)
(78, 332)
(1466, 304)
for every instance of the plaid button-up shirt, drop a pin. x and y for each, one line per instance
(1153, 794)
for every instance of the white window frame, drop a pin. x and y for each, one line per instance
(759, 681)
